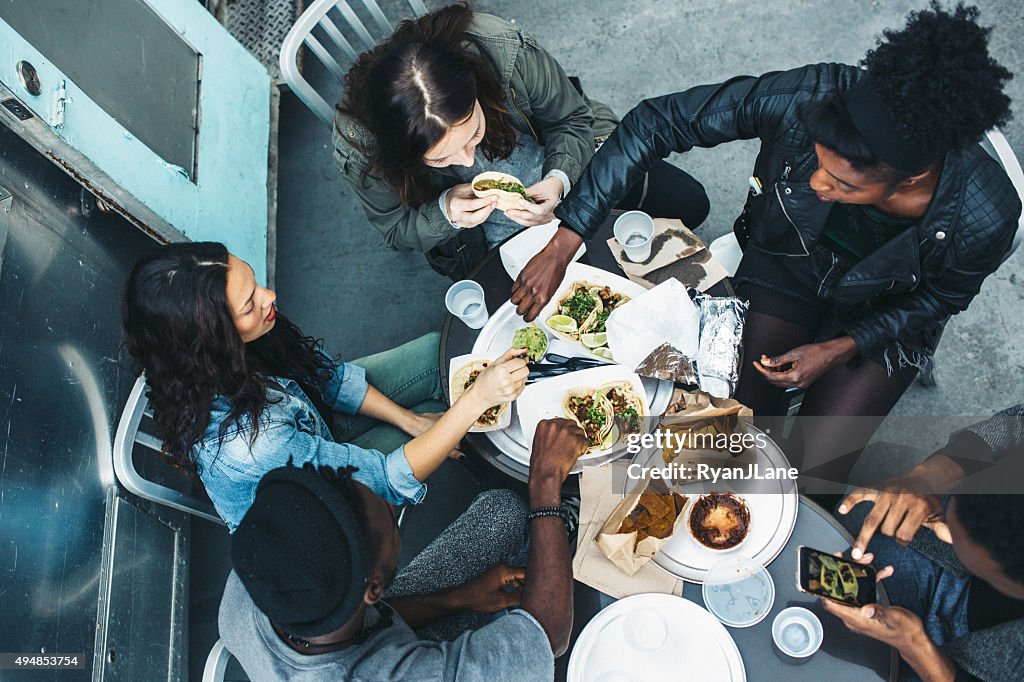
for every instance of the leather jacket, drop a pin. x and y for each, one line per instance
(904, 289)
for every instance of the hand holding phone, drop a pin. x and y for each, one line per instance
(843, 581)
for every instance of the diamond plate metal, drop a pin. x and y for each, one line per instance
(260, 25)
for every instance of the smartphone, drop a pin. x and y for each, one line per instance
(825, 575)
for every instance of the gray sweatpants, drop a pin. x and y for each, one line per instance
(491, 531)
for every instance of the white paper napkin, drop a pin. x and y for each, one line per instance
(665, 314)
(517, 252)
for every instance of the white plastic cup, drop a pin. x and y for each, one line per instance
(797, 632)
(465, 300)
(634, 230)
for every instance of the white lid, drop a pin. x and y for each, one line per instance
(738, 591)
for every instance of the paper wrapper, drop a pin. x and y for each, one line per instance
(671, 241)
(668, 363)
(676, 253)
(699, 412)
(662, 315)
(590, 566)
(622, 549)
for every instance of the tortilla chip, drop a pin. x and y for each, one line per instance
(679, 501)
(657, 505)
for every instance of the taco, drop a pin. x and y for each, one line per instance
(593, 413)
(627, 407)
(463, 379)
(579, 304)
(508, 188)
(610, 300)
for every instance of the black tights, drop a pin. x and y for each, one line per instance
(669, 192)
(840, 411)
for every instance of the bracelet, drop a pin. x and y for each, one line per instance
(549, 511)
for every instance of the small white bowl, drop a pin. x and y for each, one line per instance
(797, 632)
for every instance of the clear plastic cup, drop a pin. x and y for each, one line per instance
(797, 632)
(465, 300)
(738, 591)
(634, 230)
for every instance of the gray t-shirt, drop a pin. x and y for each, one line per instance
(512, 647)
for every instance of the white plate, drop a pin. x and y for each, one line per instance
(517, 251)
(543, 400)
(772, 518)
(695, 645)
(460, 361)
(577, 272)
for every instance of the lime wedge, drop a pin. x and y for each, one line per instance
(594, 340)
(603, 352)
(562, 323)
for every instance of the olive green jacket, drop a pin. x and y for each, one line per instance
(542, 102)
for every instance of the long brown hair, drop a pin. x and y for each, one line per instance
(409, 90)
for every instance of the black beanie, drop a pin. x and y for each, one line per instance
(300, 552)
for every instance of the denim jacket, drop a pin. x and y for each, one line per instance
(292, 429)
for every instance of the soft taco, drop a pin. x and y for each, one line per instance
(610, 300)
(627, 407)
(593, 413)
(508, 188)
(579, 304)
(463, 379)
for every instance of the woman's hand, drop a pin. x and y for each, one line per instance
(466, 209)
(502, 381)
(801, 367)
(545, 194)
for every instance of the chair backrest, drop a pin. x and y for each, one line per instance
(216, 663)
(347, 35)
(128, 436)
(996, 145)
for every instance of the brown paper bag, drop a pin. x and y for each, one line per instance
(700, 419)
(622, 549)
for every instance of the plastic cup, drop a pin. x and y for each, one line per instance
(465, 300)
(797, 632)
(738, 591)
(634, 230)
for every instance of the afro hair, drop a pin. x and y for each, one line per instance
(938, 78)
(996, 522)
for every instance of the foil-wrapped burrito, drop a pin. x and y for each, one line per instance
(721, 343)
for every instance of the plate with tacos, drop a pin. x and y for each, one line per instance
(608, 403)
(579, 310)
(462, 372)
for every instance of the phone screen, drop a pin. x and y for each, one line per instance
(829, 576)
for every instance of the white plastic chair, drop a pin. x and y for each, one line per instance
(318, 15)
(128, 434)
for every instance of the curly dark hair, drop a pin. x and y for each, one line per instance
(996, 522)
(179, 330)
(410, 89)
(938, 80)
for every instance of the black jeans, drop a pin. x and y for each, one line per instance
(669, 192)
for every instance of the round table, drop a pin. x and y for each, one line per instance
(458, 339)
(843, 656)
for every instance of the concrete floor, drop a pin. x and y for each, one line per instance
(337, 280)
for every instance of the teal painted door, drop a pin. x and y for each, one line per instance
(153, 106)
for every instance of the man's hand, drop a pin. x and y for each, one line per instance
(495, 589)
(893, 625)
(545, 194)
(900, 509)
(466, 209)
(801, 367)
(557, 444)
(542, 275)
